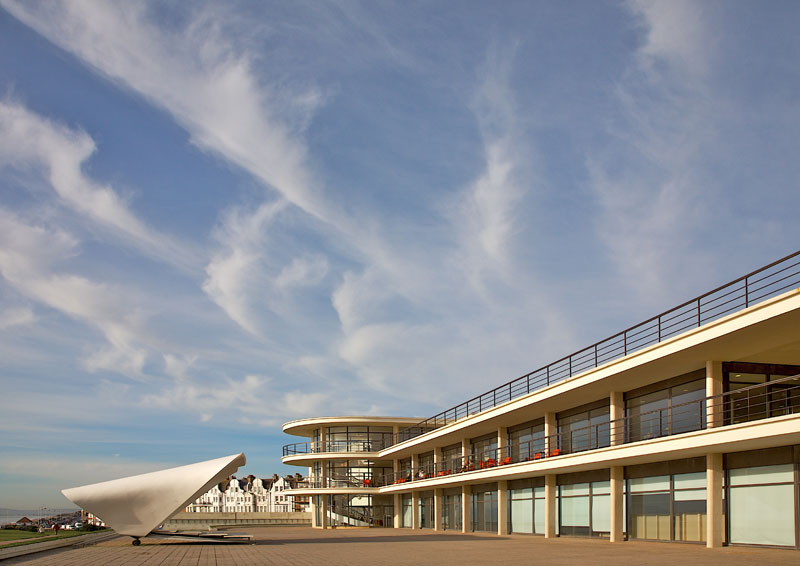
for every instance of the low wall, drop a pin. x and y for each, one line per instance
(204, 521)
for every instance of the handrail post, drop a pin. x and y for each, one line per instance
(746, 293)
(698, 312)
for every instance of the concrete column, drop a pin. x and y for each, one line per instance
(437, 460)
(617, 502)
(397, 510)
(437, 509)
(466, 449)
(502, 507)
(414, 465)
(323, 440)
(550, 506)
(415, 510)
(466, 509)
(616, 406)
(714, 522)
(550, 429)
(502, 442)
(313, 511)
(325, 518)
(714, 413)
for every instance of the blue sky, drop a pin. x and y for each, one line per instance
(215, 218)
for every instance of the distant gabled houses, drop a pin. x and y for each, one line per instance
(252, 495)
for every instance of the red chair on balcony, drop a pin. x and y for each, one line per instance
(490, 463)
(505, 461)
(538, 456)
(555, 452)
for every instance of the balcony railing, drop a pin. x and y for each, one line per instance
(337, 446)
(773, 399)
(766, 282)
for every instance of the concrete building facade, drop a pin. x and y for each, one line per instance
(685, 427)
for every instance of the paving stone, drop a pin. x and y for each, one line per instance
(302, 546)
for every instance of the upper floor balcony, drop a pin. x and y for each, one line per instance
(372, 445)
(775, 400)
(746, 291)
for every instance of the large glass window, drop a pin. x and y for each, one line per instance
(451, 509)
(669, 507)
(520, 510)
(484, 449)
(407, 514)
(359, 438)
(762, 505)
(689, 507)
(383, 510)
(526, 506)
(766, 392)
(484, 508)
(672, 410)
(584, 509)
(649, 508)
(525, 441)
(584, 431)
(451, 460)
(425, 467)
(425, 509)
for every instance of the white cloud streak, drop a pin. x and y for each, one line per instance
(654, 200)
(27, 140)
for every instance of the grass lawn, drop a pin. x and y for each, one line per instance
(27, 537)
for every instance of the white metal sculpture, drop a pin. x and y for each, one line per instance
(136, 505)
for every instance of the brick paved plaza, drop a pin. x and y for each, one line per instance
(310, 547)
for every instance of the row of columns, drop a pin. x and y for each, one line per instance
(714, 471)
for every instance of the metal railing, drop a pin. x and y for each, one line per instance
(757, 286)
(772, 399)
(337, 446)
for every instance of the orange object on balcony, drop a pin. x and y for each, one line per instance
(538, 456)
(505, 461)
(555, 452)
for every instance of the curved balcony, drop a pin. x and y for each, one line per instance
(337, 447)
(358, 483)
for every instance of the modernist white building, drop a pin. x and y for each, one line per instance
(685, 427)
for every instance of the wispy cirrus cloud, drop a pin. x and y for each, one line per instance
(58, 155)
(655, 197)
(32, 261)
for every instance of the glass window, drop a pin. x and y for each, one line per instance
(525, 442)
(407, 515)
(521, 510)
(484, 511)
(538, 510)
(584, 431)
(653, 483)
(668, 507)
(650, 516)
(451, 515)
(759, 513)
(584, 509)
(425, 511)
